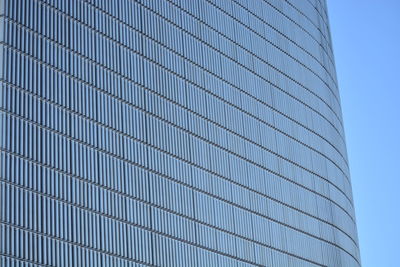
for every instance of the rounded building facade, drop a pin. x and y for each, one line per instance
(172, 133)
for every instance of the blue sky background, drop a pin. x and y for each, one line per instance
(366, 42)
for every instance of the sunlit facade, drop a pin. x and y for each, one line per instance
(171, 133)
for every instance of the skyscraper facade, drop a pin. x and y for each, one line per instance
(171, 133)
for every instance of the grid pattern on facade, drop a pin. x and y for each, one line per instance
(171, 133)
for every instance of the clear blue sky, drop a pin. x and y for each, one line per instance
(366, 42)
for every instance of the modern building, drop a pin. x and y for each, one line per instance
(171, 133)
